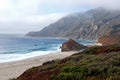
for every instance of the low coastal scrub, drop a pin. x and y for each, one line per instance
(95, 63)
(102, 67)
(13, 79)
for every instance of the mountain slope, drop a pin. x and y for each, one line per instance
(88, 25)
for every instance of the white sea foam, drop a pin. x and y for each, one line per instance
(16, 57)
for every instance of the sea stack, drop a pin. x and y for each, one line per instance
(71, 45)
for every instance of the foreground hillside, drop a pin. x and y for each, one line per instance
(91, 24)
(95, 63)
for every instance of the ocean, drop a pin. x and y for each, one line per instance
(19, 47)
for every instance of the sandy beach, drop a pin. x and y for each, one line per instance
(10, 70)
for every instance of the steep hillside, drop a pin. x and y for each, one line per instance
(110, 39)
(88, 25)
(95, 63)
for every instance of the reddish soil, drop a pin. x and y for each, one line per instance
(38, 75)
(109, 40)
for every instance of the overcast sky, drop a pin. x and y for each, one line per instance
(22, 16)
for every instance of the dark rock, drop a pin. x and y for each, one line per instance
(72, 45)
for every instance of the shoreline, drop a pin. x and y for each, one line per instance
(94, 44)
(19, 57)
(14, 69)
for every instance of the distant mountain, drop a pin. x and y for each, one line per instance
(91, 24)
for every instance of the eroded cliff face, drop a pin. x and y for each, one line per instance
(88, 25)
(110, 39)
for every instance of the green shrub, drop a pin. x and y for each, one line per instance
(52, 77)
(70, 76)
(13, 79)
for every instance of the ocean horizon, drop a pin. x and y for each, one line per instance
(18, 47)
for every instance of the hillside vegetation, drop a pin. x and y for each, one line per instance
(95, 63)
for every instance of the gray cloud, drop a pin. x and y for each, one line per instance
(22, 16)
(114, 4)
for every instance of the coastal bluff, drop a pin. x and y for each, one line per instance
(110, 39)
(93, 64)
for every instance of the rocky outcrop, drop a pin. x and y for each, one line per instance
(91, 24)
(109, 40)
(72, 45)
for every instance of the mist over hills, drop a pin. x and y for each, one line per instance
(90, 25)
